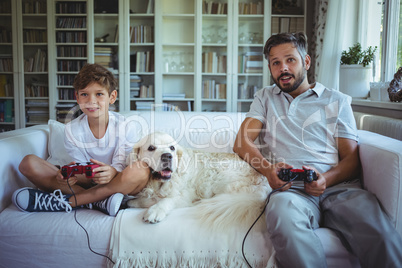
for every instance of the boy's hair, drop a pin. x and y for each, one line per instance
(299, 40)
(95, 73)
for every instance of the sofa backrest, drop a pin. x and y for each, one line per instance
(14, 145)
(215, 132)
(387, 126)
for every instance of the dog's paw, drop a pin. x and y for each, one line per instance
(154, 214)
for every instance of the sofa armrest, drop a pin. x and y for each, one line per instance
(381, 159)
(14, 145)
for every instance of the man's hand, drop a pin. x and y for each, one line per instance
(103, 174)
(315, 188)
(272, 175)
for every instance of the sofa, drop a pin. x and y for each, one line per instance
(57, 240)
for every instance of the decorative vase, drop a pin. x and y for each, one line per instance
(354, 80)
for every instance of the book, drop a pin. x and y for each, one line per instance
(8, 111)
(284, 25)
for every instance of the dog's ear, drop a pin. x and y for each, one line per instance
(182, 159)
(133, 156)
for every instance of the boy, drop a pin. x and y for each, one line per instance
(94, 136)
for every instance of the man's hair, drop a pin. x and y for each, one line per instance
(95, 73)
(299, 40)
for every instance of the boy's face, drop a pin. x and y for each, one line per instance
(94, 100)
(287, 68)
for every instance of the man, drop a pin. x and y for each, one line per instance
(307, 125)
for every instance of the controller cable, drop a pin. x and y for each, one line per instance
(262, 212)
(85, 230)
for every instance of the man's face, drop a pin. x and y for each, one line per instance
(286, 66)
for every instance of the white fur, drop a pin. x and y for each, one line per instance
(223, 186)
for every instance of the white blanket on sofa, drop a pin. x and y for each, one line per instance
(180, 241)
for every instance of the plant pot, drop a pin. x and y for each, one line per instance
(354, 80)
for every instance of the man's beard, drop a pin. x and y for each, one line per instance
(291, 87)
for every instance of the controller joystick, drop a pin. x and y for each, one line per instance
(305, 175)
(70, 170)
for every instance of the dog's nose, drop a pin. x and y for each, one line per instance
(166, 157)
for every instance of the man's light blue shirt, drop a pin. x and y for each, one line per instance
(303, 130)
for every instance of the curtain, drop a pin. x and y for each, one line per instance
(320, 16)
(329, 35)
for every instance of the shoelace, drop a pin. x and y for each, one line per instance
(101, 204)
(52, 201)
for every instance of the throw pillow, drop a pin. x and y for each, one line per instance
(57, 152)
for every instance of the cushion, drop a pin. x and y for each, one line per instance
(57, 152)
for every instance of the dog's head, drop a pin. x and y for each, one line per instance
(160, 152)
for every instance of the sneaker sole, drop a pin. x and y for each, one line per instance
(119, 197)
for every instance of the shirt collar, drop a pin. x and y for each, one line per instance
(318, 89)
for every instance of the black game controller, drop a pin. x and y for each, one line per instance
(87, 169)
(305, 175)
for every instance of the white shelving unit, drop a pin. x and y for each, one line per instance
(9, 96)
(35, 98)
(184, 56)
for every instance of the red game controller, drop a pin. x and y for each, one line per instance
(70, 170)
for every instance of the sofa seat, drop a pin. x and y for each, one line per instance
(46, 239)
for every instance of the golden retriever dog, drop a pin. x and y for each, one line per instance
(223, 186)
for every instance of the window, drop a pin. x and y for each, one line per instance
(382, 27)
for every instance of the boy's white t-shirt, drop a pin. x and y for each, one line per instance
(112, 149)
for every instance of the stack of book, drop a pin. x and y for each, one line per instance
(67, 111)
(287, 25)
(144, 105)
(173, 95)
(37, 89)
(142, 34)
(6, 86)
(37, 111)
(146, 91)
(37, 63)
(213, 63)
(135, 84)
(213, 90)
(246, 92)
(103, 56)
(142, 61)
(209, 7)
(6, 63)
(5, 35)
(67, 94)
(6, 110)
(34, 35)
(250, 62)
(251, 8)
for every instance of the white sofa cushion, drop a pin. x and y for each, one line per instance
(57, 153)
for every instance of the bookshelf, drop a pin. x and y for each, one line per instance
(69, 51)
(106, 48)
(8, 60)
(33, 66)
(192, 55)
(141, 48)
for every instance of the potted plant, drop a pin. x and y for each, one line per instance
(356, 71)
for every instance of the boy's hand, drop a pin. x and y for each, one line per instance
(103, 174)
(63, 181)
